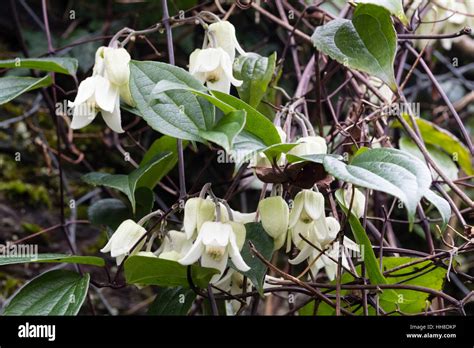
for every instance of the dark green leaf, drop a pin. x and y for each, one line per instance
(124, 183)
(177, 113)
(367, 43)
(153, 176)
(52, 258)
(145, 199)
(264, 245)
(256, 124)
(172, 301)
(388, 170)
(12, 86)
(154, 271)
(109, 212)
(55, 64)
(56, 292)
(256, 73)
(225, 131)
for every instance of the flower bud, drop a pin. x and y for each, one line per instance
(224, 34)
(358, 203)
(312, 145)
(117, 69)
(197, 211)
(274, 213)
(123, 240)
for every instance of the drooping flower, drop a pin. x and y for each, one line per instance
(103, 90)
(213, 66)
(308, 206)
(174, 246)
(215, 243)
(358, 203)
(123, 240)
(197, 211)
(311, 145)
(275, 214)
(223, 32)
(322, 235)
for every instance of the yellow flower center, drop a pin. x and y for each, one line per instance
(216, 252)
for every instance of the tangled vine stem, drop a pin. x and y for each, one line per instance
(309, 105)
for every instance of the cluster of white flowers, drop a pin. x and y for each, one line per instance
(444, 17)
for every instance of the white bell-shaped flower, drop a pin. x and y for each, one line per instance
(123, 240)
(321, 237)
(102, 91)
(237, 216)
(174, 246)
(224, 34)
(358, 203)
(308, 206)
(275, 215)
(215, 243)
(311, 145)
(213, 66)
(197, 211)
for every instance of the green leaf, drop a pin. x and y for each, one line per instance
(225, 131)
(172, 301)
(441, 204)
(395, 7)
(367, 43)
(319, 158)
(372, 266)
(56, 292)
(153, 176)
(275, 151)
(145, 199)
(12, 86)
(124, 183)
(54, 64)
(52, 258)
(177, 113)
(264, 245)
(424, 274)
(436, 136)
(256, 124)
(256, 73)
(387, 170)
(154, 271)
(441, 159)
(109, 212)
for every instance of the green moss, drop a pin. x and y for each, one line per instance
(17, 190)
(30, 228)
